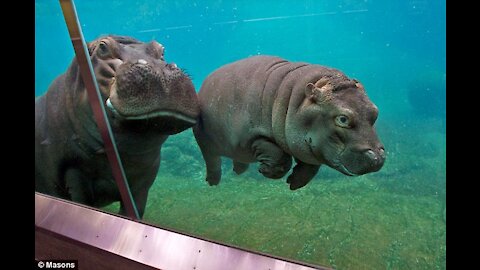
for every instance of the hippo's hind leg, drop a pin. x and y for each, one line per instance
(302, 174)
(213, 162)
(239, 167)
(140, 200)
(214, 169)
(274, 162)
(78, 186)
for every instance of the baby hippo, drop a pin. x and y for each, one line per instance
(269, 110)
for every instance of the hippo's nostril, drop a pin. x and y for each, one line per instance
(381, 152)
(371, 155)
(142, 61)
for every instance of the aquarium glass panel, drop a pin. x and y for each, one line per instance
(355, 89)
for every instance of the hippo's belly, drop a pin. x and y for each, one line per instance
(230, 138)
(230, 120)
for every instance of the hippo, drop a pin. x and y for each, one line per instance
(146, 100)
(267, 109)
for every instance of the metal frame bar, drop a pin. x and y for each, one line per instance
(67, 230)
(95, 99)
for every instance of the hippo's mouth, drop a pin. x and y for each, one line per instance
(144, 96)
(338, 165)
(341, 168)
(152, 114)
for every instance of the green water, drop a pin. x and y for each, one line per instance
(393, 219)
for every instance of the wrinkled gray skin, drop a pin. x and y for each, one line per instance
(146, 100)
(269, 110)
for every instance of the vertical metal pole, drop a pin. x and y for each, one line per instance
(95, 99)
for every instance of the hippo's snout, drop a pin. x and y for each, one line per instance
(361, 161)
(135, 78)
(374, 159)
(151, 89)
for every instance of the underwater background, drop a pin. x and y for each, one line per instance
(391, 219)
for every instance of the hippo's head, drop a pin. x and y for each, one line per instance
(336, 124)
(138, 86)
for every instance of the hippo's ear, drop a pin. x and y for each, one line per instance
(320, 92)
(359, 85)
(309, 90)
(91, 47)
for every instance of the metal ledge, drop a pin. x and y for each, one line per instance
(99, 240)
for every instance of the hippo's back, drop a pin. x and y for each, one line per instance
(236, 102)
(49, 138)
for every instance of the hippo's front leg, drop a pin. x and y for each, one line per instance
(78, 186)
(302, 174)
(274, 162)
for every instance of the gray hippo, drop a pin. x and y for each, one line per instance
(269, 110)
(147, 100)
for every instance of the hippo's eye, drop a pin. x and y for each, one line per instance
(156, 50)
(161, 54)
(103, 49)
(342, 121)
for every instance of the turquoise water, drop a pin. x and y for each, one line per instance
(392, 219)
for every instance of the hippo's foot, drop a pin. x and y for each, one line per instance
(302, 174)
(274, 162)
(213, 177)
(275, 171)
(239, 167)
(212, 160)
(296, 183)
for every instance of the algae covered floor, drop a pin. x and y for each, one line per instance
(392, 219)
